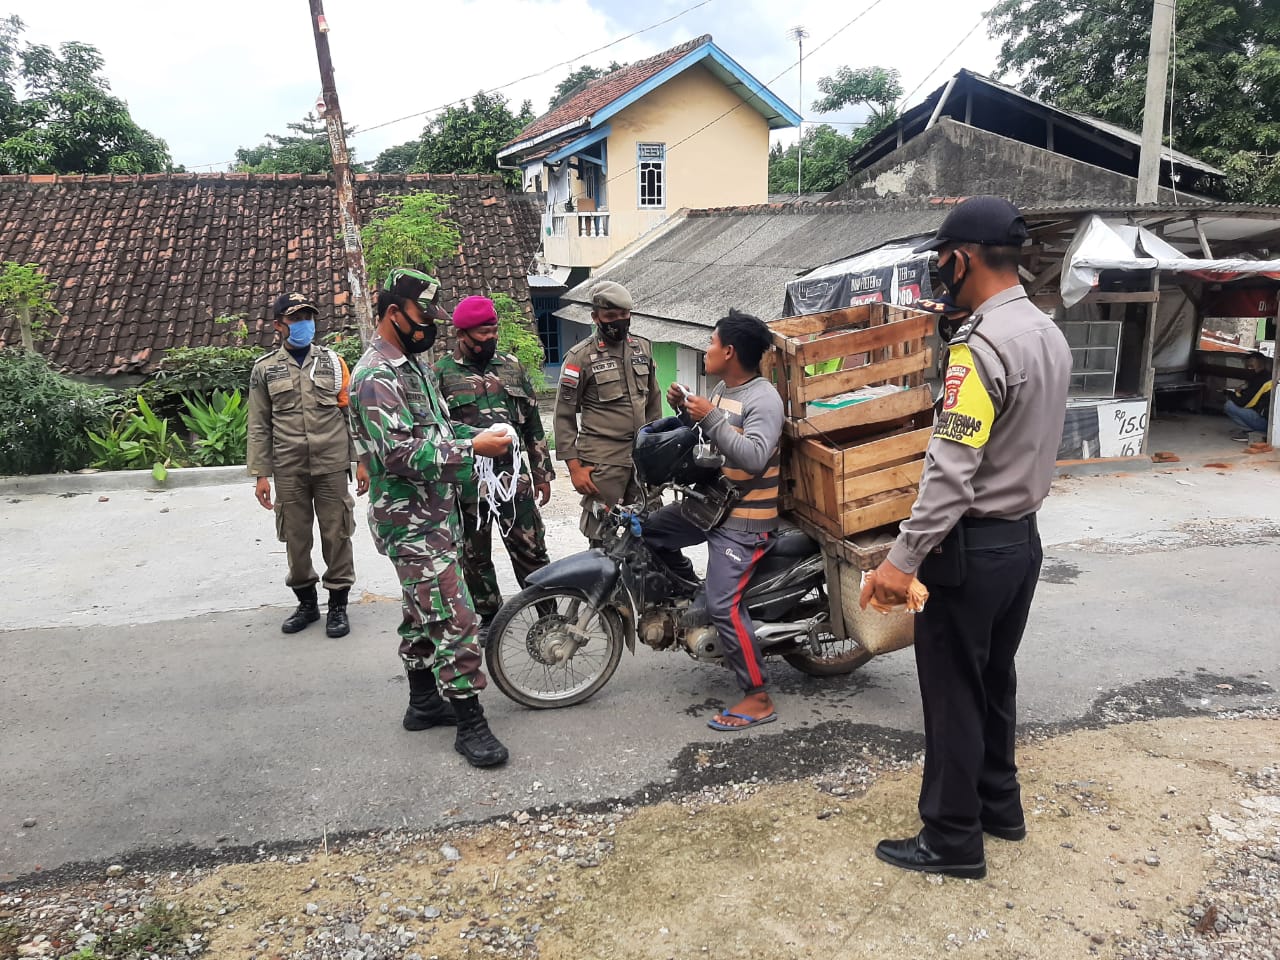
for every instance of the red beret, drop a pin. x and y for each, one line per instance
(474, 312)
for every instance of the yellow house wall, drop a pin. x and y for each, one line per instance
(727, 164)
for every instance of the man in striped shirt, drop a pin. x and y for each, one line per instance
(743, 420)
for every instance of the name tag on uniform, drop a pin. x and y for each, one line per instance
(415, 396)
(639, 360)
(602, 366)
(277, 371)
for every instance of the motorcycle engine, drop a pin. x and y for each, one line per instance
(657, 628)
(703, 643)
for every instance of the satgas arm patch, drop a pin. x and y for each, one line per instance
(967, 410)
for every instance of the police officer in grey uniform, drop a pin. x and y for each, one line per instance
(608, 390)
(972, 539)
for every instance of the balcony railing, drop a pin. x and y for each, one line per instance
(594, 224)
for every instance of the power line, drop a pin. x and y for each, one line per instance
(742, 103)
(903, 102)
(512, 83)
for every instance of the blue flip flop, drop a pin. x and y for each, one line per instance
(715, 724)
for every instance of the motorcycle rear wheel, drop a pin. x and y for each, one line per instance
(521, 647)
(838, 658)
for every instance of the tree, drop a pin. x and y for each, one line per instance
(578, 79)
(467, 138)
(412, 230)
(304, 150)
(57, 113)
(874, 88)
(1091, 56)
(28, 295)
(826, 151)
(398, 159)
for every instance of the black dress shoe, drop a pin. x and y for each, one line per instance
(914, 854)
(1013, 834)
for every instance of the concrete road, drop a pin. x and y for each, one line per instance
(148, 699)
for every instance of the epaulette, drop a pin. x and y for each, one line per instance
(266, 356)
(965, 330)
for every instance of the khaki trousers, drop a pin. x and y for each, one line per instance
(301, 500)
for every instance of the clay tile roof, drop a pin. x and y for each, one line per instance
(600, 93)
(143, 264)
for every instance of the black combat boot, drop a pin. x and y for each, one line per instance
(308, 611)
(475, 741)
(426, 708)
(336, 623)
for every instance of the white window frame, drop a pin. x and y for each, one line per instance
(649, 155)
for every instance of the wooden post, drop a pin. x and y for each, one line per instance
(353, 250)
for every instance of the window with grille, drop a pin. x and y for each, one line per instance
(651, 162)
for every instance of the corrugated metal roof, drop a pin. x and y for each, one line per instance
(710, 261)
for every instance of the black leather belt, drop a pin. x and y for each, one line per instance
(990, 533)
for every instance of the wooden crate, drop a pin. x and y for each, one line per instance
(847, 559)
(845, 489)
(891, 341)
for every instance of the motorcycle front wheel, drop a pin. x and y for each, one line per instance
(526, 649)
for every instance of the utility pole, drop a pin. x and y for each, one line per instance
(1153, 111)
(353, 250)
(798, 33)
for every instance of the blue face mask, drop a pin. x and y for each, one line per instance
(301, 333)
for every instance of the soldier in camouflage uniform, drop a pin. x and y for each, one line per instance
(483, 387)
(416, 458)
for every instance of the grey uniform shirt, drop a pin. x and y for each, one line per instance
(997, 433)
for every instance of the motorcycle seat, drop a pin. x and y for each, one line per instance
(792, 542)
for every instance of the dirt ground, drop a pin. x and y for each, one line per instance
(1120, 822)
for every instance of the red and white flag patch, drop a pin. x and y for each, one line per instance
(569, 375)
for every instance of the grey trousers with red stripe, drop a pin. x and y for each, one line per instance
(732, 556)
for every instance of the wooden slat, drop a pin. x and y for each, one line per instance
(857, 519)
(820, 322)
(852, 342)
(878, 481)
(881, 410)
(832, 384)
(866, 456)
(1138, 296)
(814, 450)
(834, 593)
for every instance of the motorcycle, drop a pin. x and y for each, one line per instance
(559, 641)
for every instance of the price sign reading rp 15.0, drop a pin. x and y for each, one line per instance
(1121, 427)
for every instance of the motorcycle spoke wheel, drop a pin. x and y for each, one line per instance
(525, 652)
(838, 657)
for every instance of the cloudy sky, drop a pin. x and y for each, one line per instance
(209, 78)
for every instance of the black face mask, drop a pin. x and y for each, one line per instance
(409, 342)
(615, 332)
(947, 274)
(481, 353)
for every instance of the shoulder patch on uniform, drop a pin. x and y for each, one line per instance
(570, 374)
(965, 330)
(967, 411)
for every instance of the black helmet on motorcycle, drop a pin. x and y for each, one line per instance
(663, 453)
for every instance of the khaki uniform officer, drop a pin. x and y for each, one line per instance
(608, 390)
(300, 435)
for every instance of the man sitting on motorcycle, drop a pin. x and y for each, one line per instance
(742, 419)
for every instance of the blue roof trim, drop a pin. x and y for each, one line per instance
(573, 146)
(767, 101)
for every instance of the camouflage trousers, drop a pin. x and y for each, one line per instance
(523, 534)
(440, 629)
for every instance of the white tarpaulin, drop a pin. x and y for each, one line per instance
(1100, 245)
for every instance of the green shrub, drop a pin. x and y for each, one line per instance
(514, 336)
(346, 344)
(220, 426)
(162, 931)
(44, 416)
(136, 440)
(199, 372)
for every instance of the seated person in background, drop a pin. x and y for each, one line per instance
(1248, 406)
